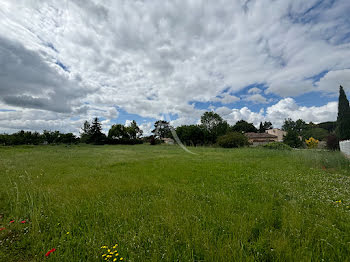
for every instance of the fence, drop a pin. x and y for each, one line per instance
(345, 147)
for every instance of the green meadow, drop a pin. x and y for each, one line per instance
(159, 203)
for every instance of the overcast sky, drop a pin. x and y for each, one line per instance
(63, 62)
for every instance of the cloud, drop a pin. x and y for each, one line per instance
(333, 79)
(79, 59)
(254, 90)
(277, 113)
(256, 98)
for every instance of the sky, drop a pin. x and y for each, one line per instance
(63, 62)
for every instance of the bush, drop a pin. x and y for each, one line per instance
(277, 146)
(332, 142)
(292, 139)
(233, 139)
(311, 143)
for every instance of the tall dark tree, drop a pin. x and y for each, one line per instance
(343, 120)
(213, 126)
(244, 126)
(162, 129)
(292, 139)
(96, 135)
(134, 131)
(265, 126)
(190, 135)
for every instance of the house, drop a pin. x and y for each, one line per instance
(168, 141)
(277, 132)
(256, 139)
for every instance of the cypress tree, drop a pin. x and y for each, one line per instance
(343, 120)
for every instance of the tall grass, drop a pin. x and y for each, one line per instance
(161, 204)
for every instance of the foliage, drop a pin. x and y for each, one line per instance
(232, 139)
(265, 126)
(161, 204)
(162, 129)
(125, 135)
(190, 135)
(311, 143)
(244, 126)
(330, 126)
(154, 141)
(298, 126)
(92, 133)
(332, 142)
(277, 146)
(213, 126)
(343, 120)
(317, 133)
(292, 139)
(35, 138)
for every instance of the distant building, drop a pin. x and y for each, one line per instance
(256, 139)
(168, 141)
(277, 132)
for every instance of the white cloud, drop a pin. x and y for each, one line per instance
(333, 79)
(79, 59)
(254, 90)
(277, 113)
(256, 98)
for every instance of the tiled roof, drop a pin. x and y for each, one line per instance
(259, 135)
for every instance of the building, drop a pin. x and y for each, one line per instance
(277, 132)
(256, 139)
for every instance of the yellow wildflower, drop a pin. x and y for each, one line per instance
(115, 259)
(67, 233)
(121, 258)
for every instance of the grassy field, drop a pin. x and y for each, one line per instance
(162, 204)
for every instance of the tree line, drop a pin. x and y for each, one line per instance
(213, 129)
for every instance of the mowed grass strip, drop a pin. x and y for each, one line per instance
(160, 203)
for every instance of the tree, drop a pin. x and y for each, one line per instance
(298, 126)
(117, 132)
(343, 120)
(233, 139)
(85, 135)
(244, 126)
(317, 133)
(292, 139)
(265, 126)
(162, 129)
(96, 135)
(190, 134)
(133, 131)
(213, 126)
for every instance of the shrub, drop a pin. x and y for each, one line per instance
(311, 143)
(292, 139)
(277, 146)
(332, 142)
(232, 139)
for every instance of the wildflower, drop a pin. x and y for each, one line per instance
(121, 258)
(23, 221)
(108, 250)
(49, 252)
(67, 233)
(103, 255)
(115, 259)
(104, 247)
(2, 228)
(12, 221)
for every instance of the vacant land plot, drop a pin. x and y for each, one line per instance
(162, 204)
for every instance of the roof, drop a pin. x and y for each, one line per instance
(259, 135)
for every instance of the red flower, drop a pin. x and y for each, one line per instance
(23, 221)
(2, 228)
(12, 221)
(49, 252)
